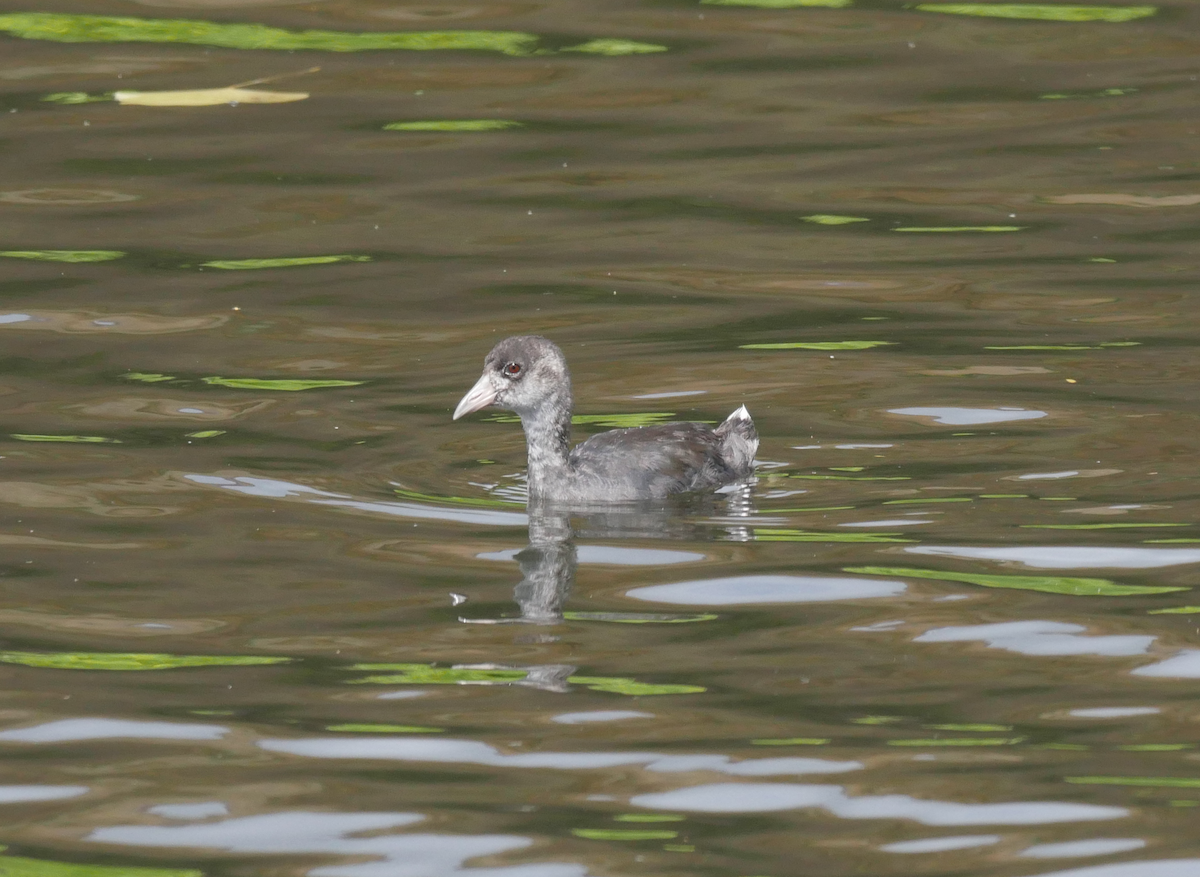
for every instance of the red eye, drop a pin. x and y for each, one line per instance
(512, 369)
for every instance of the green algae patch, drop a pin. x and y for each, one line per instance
(289, 262)
(424, 674)
(624, 833)
(631, 687)
(206, 433)
(453, 125)
(637, 617)
(817, 345)
(1067, 585)
(18, 866)
(1151, 782)
(366, 728)
(959, 741)
(833, 219)
(791, 741)
(615, 48)
(75, 439)
(969, 727)
(64, 28)
(789, 535)
(63, 255)
(877, 720)
(148, 377)
(1176, 610)
(285, 385)
(1043, 11)
(131, 661)
(1155, 747)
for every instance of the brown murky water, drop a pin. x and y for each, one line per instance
(258, 623)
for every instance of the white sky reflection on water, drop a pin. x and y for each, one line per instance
(1041, 638)
(23, 794)
(599, 716)
(771, 797)
(942, 844)
(1159, 868)
(391, 855)
(448, 751)
(1067, 557)
(746, 590)
(273, 488)
(969, 416)
(1095, 846)
(1114, 712)
(1185, 665)
(68, 730)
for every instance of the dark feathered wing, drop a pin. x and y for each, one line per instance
(657, 461)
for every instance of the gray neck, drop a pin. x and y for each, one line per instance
(548, 437)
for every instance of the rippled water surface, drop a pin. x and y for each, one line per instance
(267, 610)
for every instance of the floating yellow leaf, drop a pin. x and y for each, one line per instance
(206, 433)
(1067, 585)
(18, 866)
(1119, 200)
(75, 97)
(131, 661)
(64, 255)
(615, 48)
(367, 728)
(453, 125)
(1043, 12)
(83, 439)
(790, 741)
(206, 97)
(621, 685)
(1152, 782)
(1176, 610)
(831, 218)
(624, 833)
(288, 262)
(290, 386)
(147, 377)
(64, 28)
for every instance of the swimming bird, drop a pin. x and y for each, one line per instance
(528, 374)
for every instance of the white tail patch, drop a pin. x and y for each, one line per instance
(740, 414)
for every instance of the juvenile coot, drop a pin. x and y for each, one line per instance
(528, 374)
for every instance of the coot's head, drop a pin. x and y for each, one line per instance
(522, 374)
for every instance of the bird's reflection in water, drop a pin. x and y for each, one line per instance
(549, 561)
